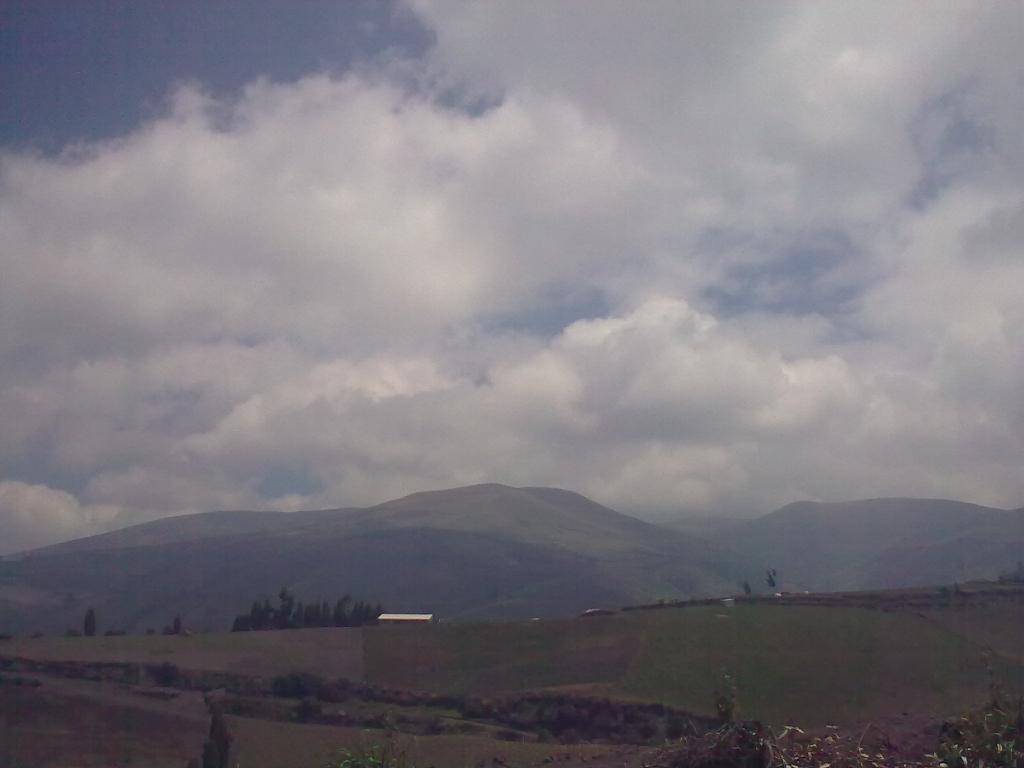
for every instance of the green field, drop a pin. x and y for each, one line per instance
(803, 664)
(276, 745)
(326, 652)
(809, 665)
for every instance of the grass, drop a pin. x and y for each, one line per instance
(324, 652)
(492, 658)
(41, 729)
(998, 625)
(805, 664)
(261, 744)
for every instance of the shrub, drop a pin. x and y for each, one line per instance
(386, 756)
(89, 623)
(166, 674)
(308, 709)
(296, 685)
(992, 737)
(725, 699)
(675, 728)
(434, 726)
(217, 749)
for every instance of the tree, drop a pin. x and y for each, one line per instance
(217, 749)
(89, 625)
(340, 617)
(284, 612)
(746, 588)
(771, 578)
(255, 616)
(176, 626)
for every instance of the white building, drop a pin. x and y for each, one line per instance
(406, 618)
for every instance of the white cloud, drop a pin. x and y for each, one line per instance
(32, 515)
(707, 256)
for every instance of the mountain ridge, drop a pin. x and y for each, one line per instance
(479, 551)
(855, 544)
(493, 551)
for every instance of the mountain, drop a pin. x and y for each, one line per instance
(481, 551)
(167, 530)
(704, 526)
(881, 543)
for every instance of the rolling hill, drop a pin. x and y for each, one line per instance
(881, 543)
(791, 664)
(481, 551)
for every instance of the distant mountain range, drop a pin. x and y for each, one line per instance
(881, 543)
(490, 551)
(481, 551)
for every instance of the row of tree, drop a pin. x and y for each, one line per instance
(89, 627)
(291, 613)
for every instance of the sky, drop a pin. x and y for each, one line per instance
(702, 258)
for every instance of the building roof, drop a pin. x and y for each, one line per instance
(406, 617)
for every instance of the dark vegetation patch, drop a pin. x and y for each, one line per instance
(20, 681)
(292, 613)
(541, 717)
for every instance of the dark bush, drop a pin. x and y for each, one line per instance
(675, 728)
(241, 708)
(296, 685)
(434, 726)
(166, 674)
(647, 730)
(308, 709)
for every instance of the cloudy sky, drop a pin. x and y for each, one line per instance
(708, 257)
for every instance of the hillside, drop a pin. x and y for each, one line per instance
(167, 530)
(881, 543)
(791, 664)
(481, 551)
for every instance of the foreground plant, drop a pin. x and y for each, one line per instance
(387, 755)
(750, 745)
(992, 737)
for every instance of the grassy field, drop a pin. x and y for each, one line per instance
(803, 664)
(488, 658)
(789, 664)
(998, 626)
(64, 723)
(261, 744)
(325, 652)
(808, 665)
